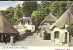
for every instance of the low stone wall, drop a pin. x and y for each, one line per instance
(23, 35)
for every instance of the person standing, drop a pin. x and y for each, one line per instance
(43, 34)
(14, 39)
(8, 38)
(1, 38)
(5, 39)
(11, 40)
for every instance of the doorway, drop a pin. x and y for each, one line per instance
(48, 36)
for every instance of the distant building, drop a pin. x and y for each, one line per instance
(24, 24)
(46, 24)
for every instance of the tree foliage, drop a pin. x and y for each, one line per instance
(17, 13)
(38, 11)
(28, 7)
(70, 29)
(9, 12)
(57, 8)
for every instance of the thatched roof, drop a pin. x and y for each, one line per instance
(49, 18)
(23, 19)
(64, 19)
(5, 27)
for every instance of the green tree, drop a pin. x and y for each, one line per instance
(57, 8)
(70, 30)
(2, 11)
(44, 6)
(17, 13)
(28, 7)
(54, 8)
(37, 17)
(62, 7)
(40, 13)
(9, 12)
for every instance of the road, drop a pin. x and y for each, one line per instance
(32, 40)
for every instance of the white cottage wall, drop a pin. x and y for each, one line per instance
(61, 36)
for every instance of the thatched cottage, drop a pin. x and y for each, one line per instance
(59, 33)
(6, 28)
(45, 25)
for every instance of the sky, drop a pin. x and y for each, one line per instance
(5, 4)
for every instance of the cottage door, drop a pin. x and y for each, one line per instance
(48, 36)
(65, 37)
(56, 36)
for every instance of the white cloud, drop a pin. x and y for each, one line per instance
(20, 2)
(3, 8)
(5, 4)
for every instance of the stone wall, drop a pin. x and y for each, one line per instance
(23, 35)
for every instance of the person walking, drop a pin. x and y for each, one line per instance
(11, 40)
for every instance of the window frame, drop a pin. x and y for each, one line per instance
(56, 34)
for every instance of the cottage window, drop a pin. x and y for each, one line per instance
(22, 22)
(28, 21)
(50, 23)
(56, 34)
